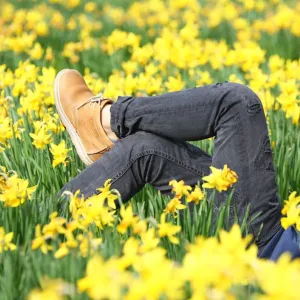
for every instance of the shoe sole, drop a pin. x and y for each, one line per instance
(66, 122)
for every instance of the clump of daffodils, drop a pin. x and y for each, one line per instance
(212, 268)
(228, 265)
(97, 210)
(219, 179)
(13, 189)
(54, 289)
(180, 190)
(228, 262)
(85, 242)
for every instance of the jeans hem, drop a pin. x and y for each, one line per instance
(114, 116)
(267, 237)
(117, 111)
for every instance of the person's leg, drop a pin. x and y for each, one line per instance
(139, 159)
(283, 241)
(233, 114)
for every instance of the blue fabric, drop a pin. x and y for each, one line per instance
(283, 241)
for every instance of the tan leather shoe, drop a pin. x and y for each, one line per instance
(80, 112)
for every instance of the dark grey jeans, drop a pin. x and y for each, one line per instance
(152, 149)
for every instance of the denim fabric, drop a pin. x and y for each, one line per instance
(153, 149)
(283, 241)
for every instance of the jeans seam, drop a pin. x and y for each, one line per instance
(91, 186)
(263, 144)
(183, 108)
(173, 110)
(158, 153)
(238, 122)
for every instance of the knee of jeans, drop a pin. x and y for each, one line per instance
(143, 142)
(245, 97)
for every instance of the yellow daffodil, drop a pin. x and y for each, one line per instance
(292, 211)
(88, 244)
(41, 138)
(55, 226)
(40, 241)
(15, 191)
(220, 179)
(107, 284)
(173, 206)
(76, 203)
(52, 289)
(106, 193)
(167, 229)
(179, 188)
(97, 212)
(270, 279)
(59, 153)
(149, 240)
(195, 196)
(6, 132)
(6, 241)
(130, 254)
(139, 227)
(291, 106)
(128, 219)
(64, 248)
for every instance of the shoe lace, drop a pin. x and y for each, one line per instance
(93, 100)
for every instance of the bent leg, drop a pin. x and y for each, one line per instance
(233, 114)
(139, 159)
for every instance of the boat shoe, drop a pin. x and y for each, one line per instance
(80, 112)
